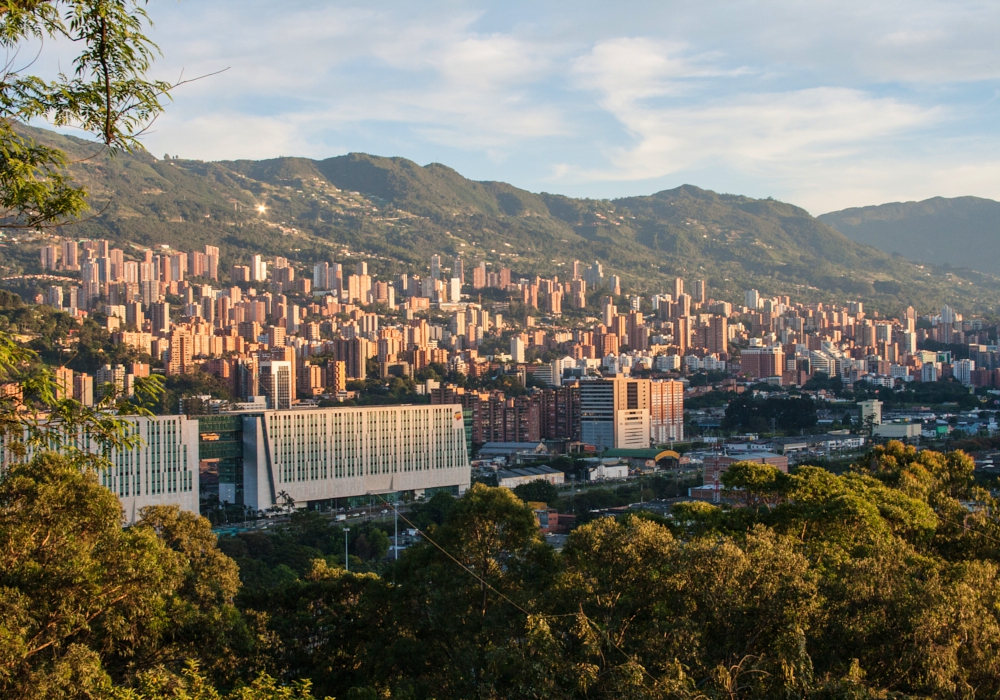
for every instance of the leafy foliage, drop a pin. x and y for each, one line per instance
(107, 94)
(749, 413)
(876, 583)
(541, 491)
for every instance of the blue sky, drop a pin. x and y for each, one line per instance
(822, 104)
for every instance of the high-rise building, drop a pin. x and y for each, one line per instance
(83, 389)
(594, 276)
(54, 298)
(64, 383)
(321, 276)
(479, 276)
(212, 262)
(336, 375)
(50, 257)
(638, 335)
(354, 352)
(180, 358)
(698, 293)
(678, 287)
(110, 379)
(159, 316)
(70, 255)
(963, 370)
(240, 274)
(666, 411)
(717, 336)
(276, 383)
(198, 264)
(615, 284)
(517, 349)
(178, 267)
(436, 267)
(763, 362)
(258, 269)
(615, 413)
(751, 298)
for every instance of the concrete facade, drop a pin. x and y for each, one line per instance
(329, 453)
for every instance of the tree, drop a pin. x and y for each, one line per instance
(540, 491)
(791, 414)
(371, 543)
(758, 484)
(107, 94)
(192, 685)
(200, 619)
(77, 589)
(486, 531)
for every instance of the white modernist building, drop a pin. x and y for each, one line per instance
(329, 453)
(161, 470)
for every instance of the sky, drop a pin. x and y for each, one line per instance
(826, 105)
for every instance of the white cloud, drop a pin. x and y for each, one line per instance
(825, 104)
(743, 130)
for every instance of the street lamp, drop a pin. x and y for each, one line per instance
(347, 562)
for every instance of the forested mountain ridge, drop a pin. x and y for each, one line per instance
(397, 213)
(962, 231)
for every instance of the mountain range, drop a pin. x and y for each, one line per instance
(961, 232)
(396, 214)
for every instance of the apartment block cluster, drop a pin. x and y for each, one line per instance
(788, 344)
(278, 338)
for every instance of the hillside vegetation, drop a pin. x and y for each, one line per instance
(961, 232)
(397, 214)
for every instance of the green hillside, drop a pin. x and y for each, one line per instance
(962, 232)
(396, 214)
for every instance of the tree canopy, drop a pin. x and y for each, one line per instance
(106, 93)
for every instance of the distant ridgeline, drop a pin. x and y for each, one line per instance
(396, 214)
(961, 232)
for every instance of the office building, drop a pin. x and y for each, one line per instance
(160, 470)
(318, 455)
(276, 383)
(871, 411)
(614, 413)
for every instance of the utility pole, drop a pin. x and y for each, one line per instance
(347, 561)
(395, 510)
